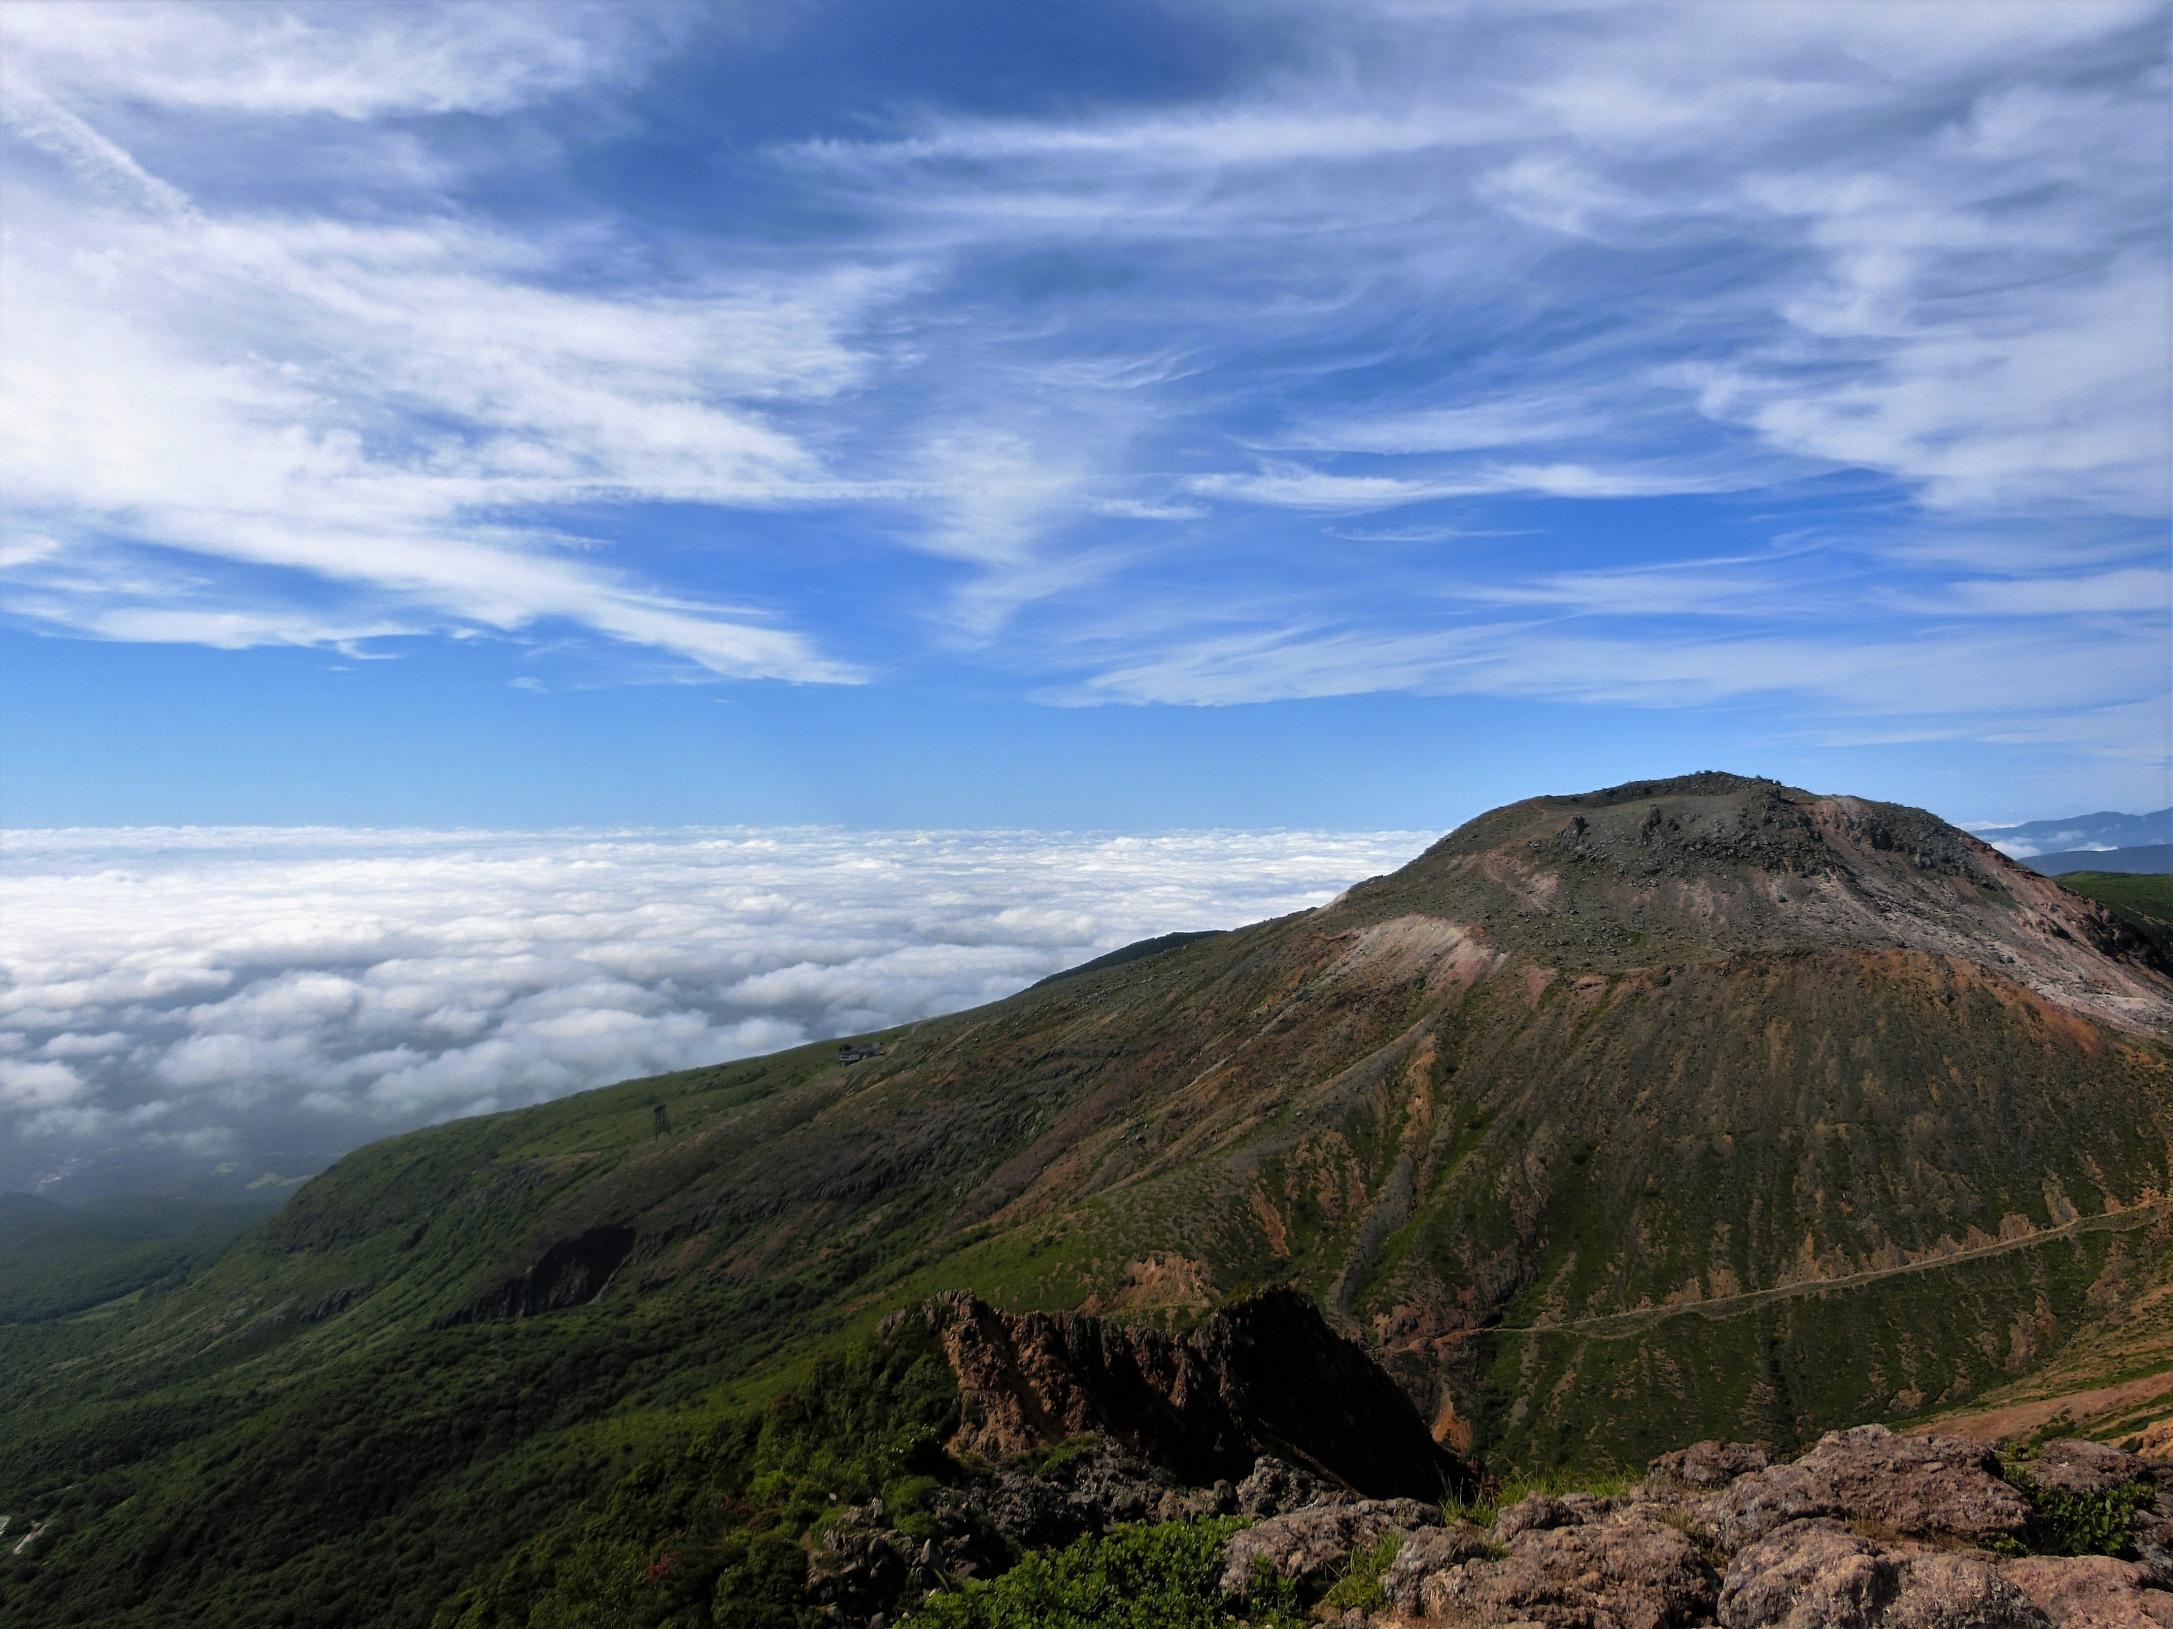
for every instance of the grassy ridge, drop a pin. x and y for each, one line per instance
(2143, 900)
(56, 1261)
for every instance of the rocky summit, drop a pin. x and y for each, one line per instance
(1694, 1109)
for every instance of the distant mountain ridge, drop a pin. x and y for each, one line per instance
(1692, 1107)
(2143, 860)
(2107, 829)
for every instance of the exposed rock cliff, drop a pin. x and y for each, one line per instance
(1265, 1376)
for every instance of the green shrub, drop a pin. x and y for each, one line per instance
(2064, 1523)
(1165, 1576)
(717, 1533)
(1046, 1461)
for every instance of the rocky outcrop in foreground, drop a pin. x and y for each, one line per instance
(1867, 1530)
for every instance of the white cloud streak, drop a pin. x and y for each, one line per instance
(375, 405)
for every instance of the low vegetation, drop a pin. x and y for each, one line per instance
(2066, 1521)
(1359, 1587)
(715, 1532)
(1160, 1576)
(56, 1261)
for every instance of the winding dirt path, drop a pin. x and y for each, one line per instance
(1617, 1325)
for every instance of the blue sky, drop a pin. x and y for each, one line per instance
(1115, 416)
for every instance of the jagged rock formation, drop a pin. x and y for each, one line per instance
(1312, 1544)
(1932, 1486)
(1264, 1377)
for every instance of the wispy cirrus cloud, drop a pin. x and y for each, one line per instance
(390, 408)
(248, 391)
(351, 62)
(1996, 682)
(1068, 382)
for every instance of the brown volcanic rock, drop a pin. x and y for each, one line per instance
(1311, 1546)
(1423, 1554)
(2090, 1592)
(1540, 1511)
(1264, 1377)
(1725, 864)
(1914, 1486)
(1629, 1571)
(1271, 1487)
(1704, 1466)
(1819, 1575)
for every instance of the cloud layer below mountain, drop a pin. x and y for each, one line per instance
(187, 998)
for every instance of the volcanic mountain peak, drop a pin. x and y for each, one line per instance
(1695, 1107)
(1714, 865)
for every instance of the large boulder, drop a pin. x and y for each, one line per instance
(1629, 1570)
(1915, 1486)
(1309, 1547)
(1430, 1550)
(1819, 1575)
(2090, 1592)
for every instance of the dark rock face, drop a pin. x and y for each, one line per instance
(571, 1273)
(1266, 1376)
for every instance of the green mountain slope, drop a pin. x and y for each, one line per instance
(56, 1260)
(1703, 1107)
(2143, 900)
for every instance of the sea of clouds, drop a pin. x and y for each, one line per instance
(176, 1001)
